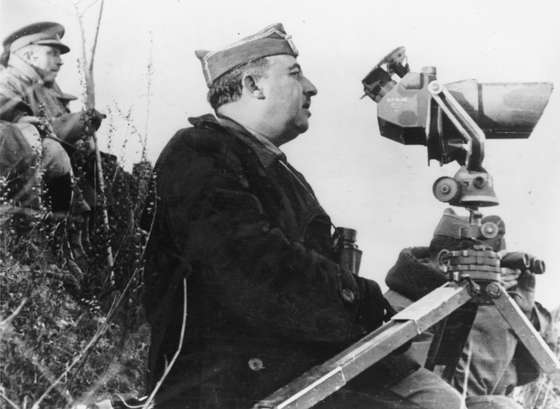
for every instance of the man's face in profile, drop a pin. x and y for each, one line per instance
(46, 60)
(287, 96)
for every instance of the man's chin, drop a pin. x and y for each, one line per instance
(303, 127)
(302, 124)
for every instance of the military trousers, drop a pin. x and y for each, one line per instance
(492, 402)
(420, 390)
(54, 160)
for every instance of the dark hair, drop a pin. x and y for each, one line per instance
(228, 87)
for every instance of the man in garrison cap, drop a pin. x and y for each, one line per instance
(492, 361)
(238, 235)
(37, 130)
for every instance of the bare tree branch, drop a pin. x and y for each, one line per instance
(83, 59)
(93, 49)
(90, 104)
(90, 5)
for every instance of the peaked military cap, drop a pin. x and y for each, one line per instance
(42, 33)
(272, 40)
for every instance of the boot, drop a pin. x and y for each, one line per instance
(58, 193)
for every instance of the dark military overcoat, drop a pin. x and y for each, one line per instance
(265, 299)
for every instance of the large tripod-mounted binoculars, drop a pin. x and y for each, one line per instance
(453, 121)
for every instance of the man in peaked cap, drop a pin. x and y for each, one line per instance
(34, 111)
(238, 235)
(38, 133)
(492, 361)
(42, 33)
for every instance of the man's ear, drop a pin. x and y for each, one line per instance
(251, 86)
(27, 54)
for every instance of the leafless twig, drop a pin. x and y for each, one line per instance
(127, 116)
(10, 402)
(466, 380)
(118, 300)
(83, 59)
(177, 352)
(29, 354)
(150, 74)
(93, 48)
(5, 323)
(113, 369)
(90, 5)
(100, 331)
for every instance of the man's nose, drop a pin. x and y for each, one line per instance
(308, 87)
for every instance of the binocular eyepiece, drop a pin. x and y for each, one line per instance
(523, 261)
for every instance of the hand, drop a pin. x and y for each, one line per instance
(509, 277)
(92, 120)
(85, 145)
(524, 293)
(73, 126)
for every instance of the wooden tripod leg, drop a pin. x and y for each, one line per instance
(321, 381)
(523, 329)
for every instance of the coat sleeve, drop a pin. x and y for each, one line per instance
(249, 266)
(12, 105)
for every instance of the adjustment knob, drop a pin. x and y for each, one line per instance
(447, 189)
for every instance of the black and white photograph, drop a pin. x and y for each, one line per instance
(258, 204)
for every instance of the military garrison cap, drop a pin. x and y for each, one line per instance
(42, 33)
(272, 40)
(457, 227)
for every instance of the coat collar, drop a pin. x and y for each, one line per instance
(28, 77)
(26, 72)
(266, 152)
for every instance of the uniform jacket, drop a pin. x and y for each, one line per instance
(266, 301)
(498, 362)
(23, 92)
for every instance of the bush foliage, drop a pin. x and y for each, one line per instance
(63, 314)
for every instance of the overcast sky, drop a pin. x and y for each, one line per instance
(364, 181)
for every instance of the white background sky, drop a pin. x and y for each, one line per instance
(363, 180)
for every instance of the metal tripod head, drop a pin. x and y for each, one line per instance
(472, 186)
